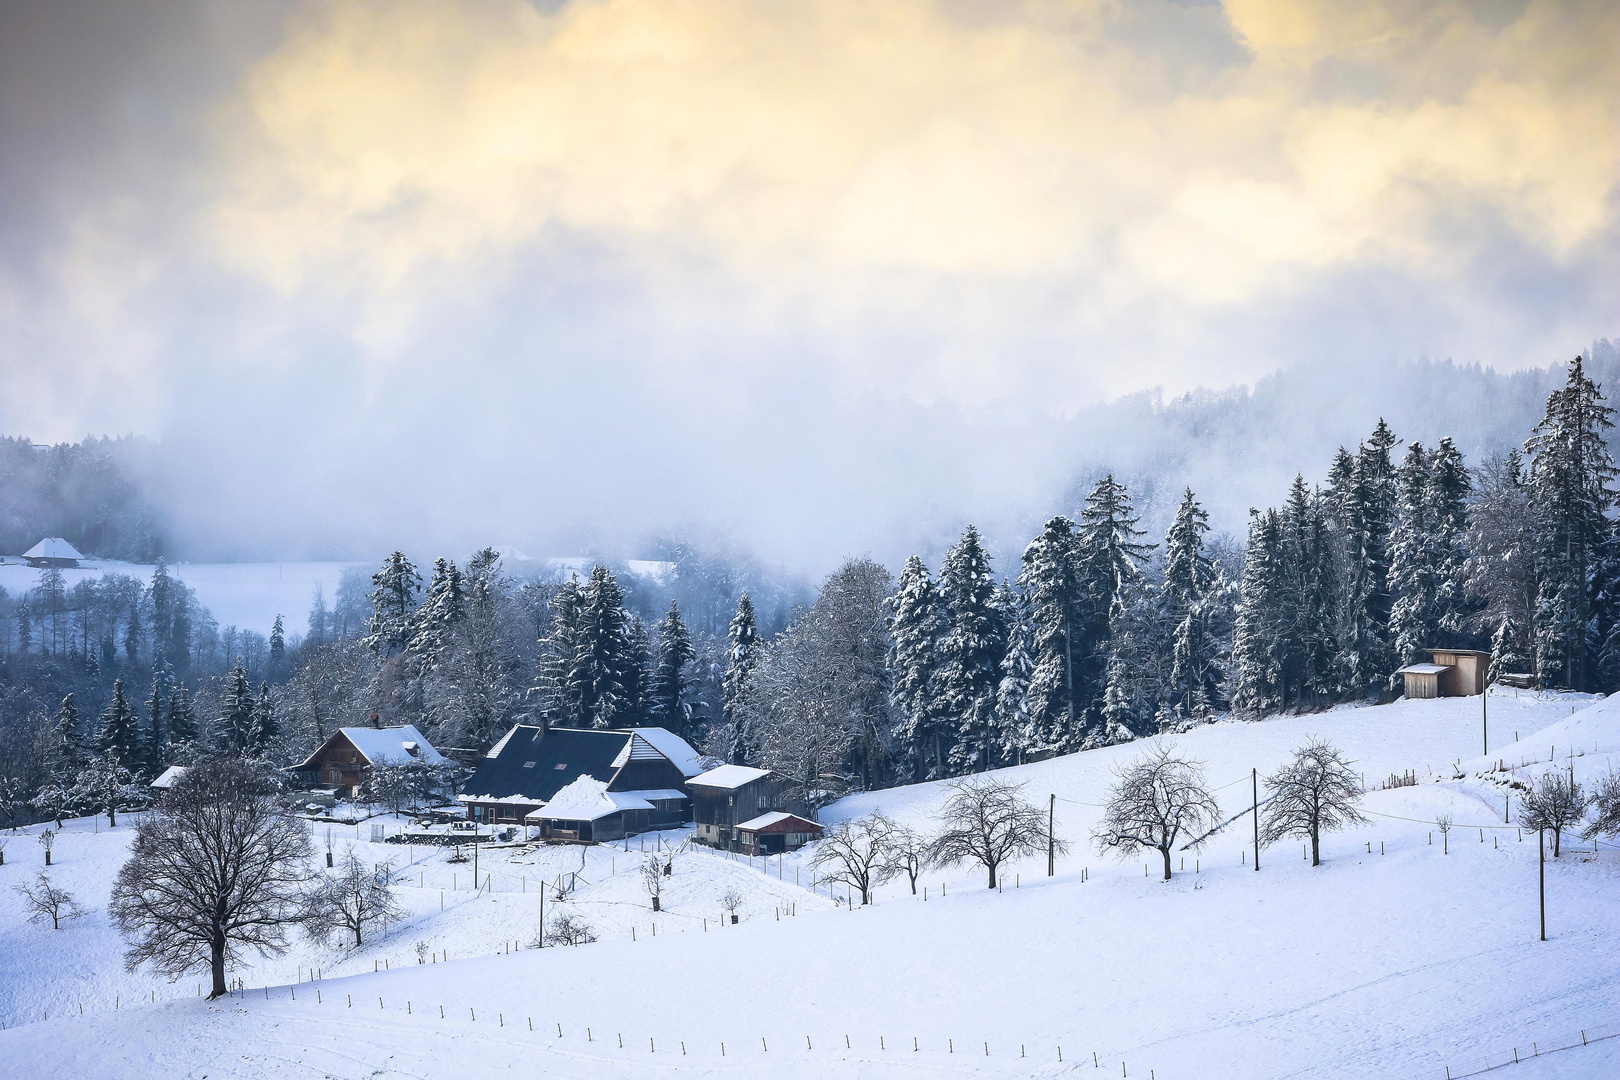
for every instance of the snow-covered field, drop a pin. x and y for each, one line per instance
(1393, 959)
(248, 596)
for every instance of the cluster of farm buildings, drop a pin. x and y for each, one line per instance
(590, 786)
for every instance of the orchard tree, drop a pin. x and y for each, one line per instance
(43, 900)
(218, 868)
(856, 853)
(1313, 793)
(352, 900)
(1155, 801)
(1554, 803)
(988, 821)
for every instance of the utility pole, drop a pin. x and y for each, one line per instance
(1485, 718)
(1541, 851)
(1254, 777)
(1051, 840)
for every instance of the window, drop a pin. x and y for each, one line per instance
(561, 765)
(528, 764)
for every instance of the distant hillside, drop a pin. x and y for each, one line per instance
(91, 493)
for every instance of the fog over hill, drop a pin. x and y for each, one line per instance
(899, 478)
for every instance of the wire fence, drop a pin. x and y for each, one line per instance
(1518, 1055)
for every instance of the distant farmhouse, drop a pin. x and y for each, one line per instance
(582, 784)
(750, 810)
(53, 551)
(348, 754)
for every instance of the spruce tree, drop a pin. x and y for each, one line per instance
(1017, 727)
(601, 662)
(278, 650)
(182, 726)
(238, 727)
(70, 730)
(970, 652)
(152, 752)
(25, 627)
(916, 624)
(133, 634)
(393, 603)
(319, 617)
(266, 725)
(1414, 620)
(120, 730)
(1570, 474)
(1258, 646)
(559, 652)
(638, 674)
(1050, 578)
(1366, 653)
(439, 619)
(1450, 489)
(1506, 649)
(1110, 558)
(1187, 598)
(667, 698)
(742, 645)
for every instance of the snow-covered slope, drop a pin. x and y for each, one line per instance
(1395, 958)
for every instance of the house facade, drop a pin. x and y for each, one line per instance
(731, 795)
(642, 773)
(776, 832)
(350, 753)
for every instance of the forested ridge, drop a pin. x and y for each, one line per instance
(1095, 633)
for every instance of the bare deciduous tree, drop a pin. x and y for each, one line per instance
(1316, 792)
(569, 929)
(1555, 802)
(1156, 800)
(353, 900)
(908, 854)
(1443, 823)
(218, 867)
(652, 878)
(856, 854)
(45, 901)
(731, 900)
(988, 821)
(1606, 798)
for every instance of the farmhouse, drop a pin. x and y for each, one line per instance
(776, 832)
(723, 799)
(1453, 673)
(642, 773)
(343, 760)
(53, 551)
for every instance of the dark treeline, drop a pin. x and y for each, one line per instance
(91, 493)
(1097, 634)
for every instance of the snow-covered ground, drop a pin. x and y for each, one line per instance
(248, 596)
(1393, 959)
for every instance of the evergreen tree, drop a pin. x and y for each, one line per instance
(1110, 558)
(182, 726)
(237, 728)
(1051, 581)
(601, 661)
(559, 652)
(667, 705)
(742, 645)
(1450, 489)
(132, 634)
(1018, 729)
(1571, 471)
(278, 651)
(1414, 618)
(1310, 605)
(970, 652)
(638, 674)
(1259, 646)
(1187, 601)
(120, 731)
(1366, 506)
(266, 726)
(151, 758)
(439, 619)
(319, 617)
(25, 627)
(916, 625)
(393, 602)
(1507, 645)
(75, 751)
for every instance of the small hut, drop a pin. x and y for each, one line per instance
(53, 551)
(1452, 673)
(776, 832)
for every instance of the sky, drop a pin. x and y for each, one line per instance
(820, 278)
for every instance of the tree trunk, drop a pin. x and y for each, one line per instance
(1558, 835)
(216, 965)
(992, 867)
(112, 818)
(1166, 853)
(1316, 846)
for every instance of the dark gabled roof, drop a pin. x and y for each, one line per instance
(507, 774)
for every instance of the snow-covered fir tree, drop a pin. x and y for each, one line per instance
(916, 624)
(559, 650)
(393, 604)
(741, 744)
(237, 728)
(1018, 730)
(1111, 556)
(600, 680)
(1258, 645)
(1050, 579)
(666, 703)
(1414, 620)
(1570, 476)
(1366, 506)
(1188, 601)
(970, 651)
(120, 728)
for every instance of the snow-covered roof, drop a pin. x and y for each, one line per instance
(665, 743)
(1423, 669)
(765, 821)
(166, 779)
(652, 793)
(393, 746)
(52, 547)
(729, 776)
(588, 799)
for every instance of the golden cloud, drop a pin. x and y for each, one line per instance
(841, 145)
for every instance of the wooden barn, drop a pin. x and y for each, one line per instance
(731, 795)
(776, 832)
(53, 551)
(1451, 673)
(642, 772)
(343, 760)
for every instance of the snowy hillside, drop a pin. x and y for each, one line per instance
(1395, 958)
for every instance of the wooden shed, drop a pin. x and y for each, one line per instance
(1452, 673)
(776, 832)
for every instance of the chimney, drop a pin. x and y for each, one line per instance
(545, 726)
